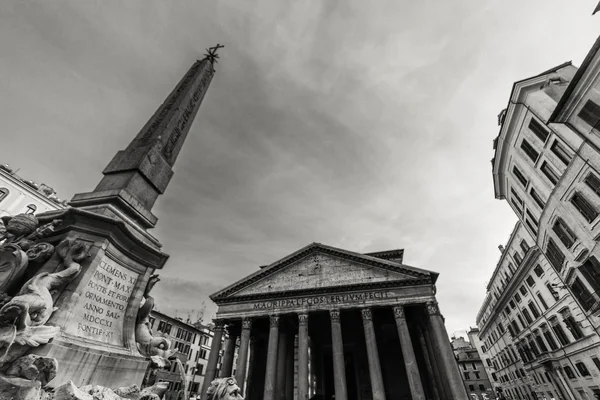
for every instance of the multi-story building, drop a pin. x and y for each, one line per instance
(477, 344)
(474, 375)
(193, 342)
(539, 321)
(18, 196)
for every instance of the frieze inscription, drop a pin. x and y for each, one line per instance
(325, 300)
(100, 311)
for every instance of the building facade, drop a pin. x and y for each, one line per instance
(18, 196)
(329, 323)
(474, 375)
(193, 342)
(477, 344)
(539, 321)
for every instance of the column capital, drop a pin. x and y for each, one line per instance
(246, 323)
(274, 320)
(433, 308)
(303, 319)
(335, 315)
(219, 324)
(399, 312)
(366, 314)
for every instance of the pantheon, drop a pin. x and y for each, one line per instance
(327, 323)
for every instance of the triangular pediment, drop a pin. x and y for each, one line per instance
(318, 268)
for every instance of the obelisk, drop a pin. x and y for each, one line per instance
(97, 311)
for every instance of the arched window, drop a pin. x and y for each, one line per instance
(3, 193)
(31, 208)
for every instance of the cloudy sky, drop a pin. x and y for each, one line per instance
(362, 125)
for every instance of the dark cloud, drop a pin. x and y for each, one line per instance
(359, 126)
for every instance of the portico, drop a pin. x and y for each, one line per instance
(327, 322)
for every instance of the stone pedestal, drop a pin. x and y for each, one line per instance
(97, 311)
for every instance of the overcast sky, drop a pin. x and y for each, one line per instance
(365, 125)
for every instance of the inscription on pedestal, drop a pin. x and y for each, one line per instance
(100, 311)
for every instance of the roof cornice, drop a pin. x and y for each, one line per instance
(511, 238)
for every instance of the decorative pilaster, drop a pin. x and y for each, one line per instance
(213, 357)
(242, 361)
(303, 357)
(339, 366)
(373, 356)
(271, 370)
(408, 352)
(445, 353)
(229, 353)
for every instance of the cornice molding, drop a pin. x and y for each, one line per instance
(321, 290)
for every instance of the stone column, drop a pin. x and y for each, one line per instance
(229, 352)
(289, 367)
(280, 380)
(213, 357)
(269, 393)
(242, 361)
(302, 356)
(408, 352)
(251, 367)
(373, 356)
(339, 367)
(445, 353)
(434, 383)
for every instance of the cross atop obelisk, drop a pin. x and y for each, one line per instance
(136, 176)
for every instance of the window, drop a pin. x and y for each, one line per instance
(591, 180)
(516, 201)
(538, 130)
(517, 258)
(3, 193)
(199, 369)
(471, 388)
(584, 207)
(530, 281)
(168, 329)
(549, 338)
(527, 316)
(523, 290)
(519, 176)
(564, 233)
(549, 172)
(536, 197)
(516, 196)
(151, 321)
(573, 326)
(203, 353)
(467, 377)
(534, 310)
(464, 366)
(582, 294)
(481, 388)
(532, 218)
(541, 299)
(540, 343)
(559, 331)
(477, 375)
(583, 371)
(555, 256)
(517, 297)
(561, 152)
(161, 326)
(524, 246)
(569, 372)
(539, 271)
(512, 304)
(473, 365)
(529, 150)
(596, 363)
(590, 113)
(590, 270)
(31, 208)
(553, 292)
